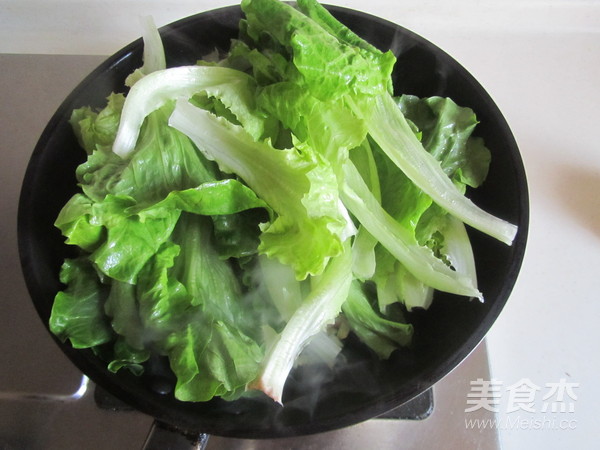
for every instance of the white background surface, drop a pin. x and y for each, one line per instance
(540, 61)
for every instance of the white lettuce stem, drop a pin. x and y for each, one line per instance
(390, 130)
(363, 254)
(418, 260)
(260, 165)
(458, 249)
(319, 309)
(154, 53)
(156, 89)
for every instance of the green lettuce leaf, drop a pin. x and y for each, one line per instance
(165, 160)
(446, 131)
(380, 334)
(298, 185)
(96, 130)
(211, 358)
(214, 353)
(121, 307)
(328, 67)
(75, 223)
(77, 313)
(164, 304)
(131, 239)
(126, 357)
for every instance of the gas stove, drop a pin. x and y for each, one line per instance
(46, 403)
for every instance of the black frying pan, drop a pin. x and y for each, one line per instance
(351, 393)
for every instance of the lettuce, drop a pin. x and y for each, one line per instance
(301, 188)
(77, 313)
(213, 351)
(317, 310)
(232, 87)
(154, 53)
(389, 128)
(148, 229)
(379, 333)
(238, 217)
